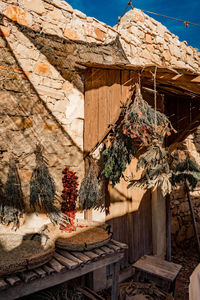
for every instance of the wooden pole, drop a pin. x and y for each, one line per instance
(168, 229)
(192, 214)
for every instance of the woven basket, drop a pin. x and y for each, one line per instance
(15, 258)
(62, 242)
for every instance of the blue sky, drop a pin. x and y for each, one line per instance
(108, 11)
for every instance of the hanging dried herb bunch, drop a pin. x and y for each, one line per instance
(42, 189)
(186, 171)
(117, 156)
(91, 193)
(69, 196)
(13, 207)
(157, 169)
(2, 201)
(142, 122)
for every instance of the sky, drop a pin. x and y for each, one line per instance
(108, 11)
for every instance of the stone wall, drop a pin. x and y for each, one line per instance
(42, 43)
(146, 41)
(182, 228)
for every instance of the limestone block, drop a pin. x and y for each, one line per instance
(42, 68)
(174, 50)
(75, 108)
(148, 38)
(4, 31)
(189, 50)
(35, 5)
(60, 106)
(161, 29)
(71, 34)
(167, 55)
(47, 91)
(27, 53)
(93, 30)
(79, 14)
(56, 15)
(18, 15)
(62, 4)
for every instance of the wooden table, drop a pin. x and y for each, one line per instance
(162, 272)
(64, 266)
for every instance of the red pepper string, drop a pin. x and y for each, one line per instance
(69, 196)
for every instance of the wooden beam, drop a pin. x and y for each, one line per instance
(54, 279)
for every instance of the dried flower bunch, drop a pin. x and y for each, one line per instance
(142, 122)
(13, 206)
(69, 196)
(91, 193)
(156, 163)
(42, 188)
(117, 156)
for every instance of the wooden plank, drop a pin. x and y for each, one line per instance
(40, 272)
(114, 94)
(114, 247)
(99, 252)
(121, 245)
(70, 256)
(103, 105)
(3, 285)
(54, 264)
(157, 266)
(115, 282)
(86, 259)
(70, 264)
(57, 278)
(13, 280)
(107, 250)
(48, 269)
(91, 121)
(28, 276)
(91, 254)
(90, 294)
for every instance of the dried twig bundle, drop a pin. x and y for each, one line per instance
(91, 193)
(142, 122)
(156, 162)
(42, 188)
(14, 203)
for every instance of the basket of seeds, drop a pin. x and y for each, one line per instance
(19, 253)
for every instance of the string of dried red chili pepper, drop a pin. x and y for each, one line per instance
(69, 196)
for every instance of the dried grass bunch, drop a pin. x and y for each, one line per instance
(42, 189)
(91, 193)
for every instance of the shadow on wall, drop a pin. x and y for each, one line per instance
(135, 229)
(65, 55)
(25, 122)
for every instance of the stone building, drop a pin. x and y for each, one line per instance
(44, 47)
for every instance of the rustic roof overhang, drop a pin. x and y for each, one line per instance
(175, 80)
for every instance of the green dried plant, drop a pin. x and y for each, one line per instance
(144, 123)
(117, 156)
(91, 193)
(42, 189)
(186, 170)
(156, 163)
(14, 200)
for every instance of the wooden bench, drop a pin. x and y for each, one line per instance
(64, 266)
(162, 272)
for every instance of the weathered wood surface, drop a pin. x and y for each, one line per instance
(159, 267)
(62, 267)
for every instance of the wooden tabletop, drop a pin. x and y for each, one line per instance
(64, 266)
(157, 266)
